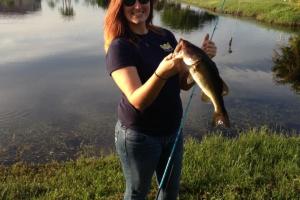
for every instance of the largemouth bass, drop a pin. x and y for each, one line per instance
(205, 73)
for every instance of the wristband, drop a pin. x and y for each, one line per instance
(160, 76)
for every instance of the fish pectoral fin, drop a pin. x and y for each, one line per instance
(225, 90)
(190, 79)
(205, 98)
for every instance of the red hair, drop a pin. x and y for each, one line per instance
(116, 25)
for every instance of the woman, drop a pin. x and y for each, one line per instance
(139, 59)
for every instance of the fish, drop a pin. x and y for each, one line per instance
(206, 74)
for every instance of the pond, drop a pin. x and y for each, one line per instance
(57, 101)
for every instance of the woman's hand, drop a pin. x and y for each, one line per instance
(169, 66)
(209, 47)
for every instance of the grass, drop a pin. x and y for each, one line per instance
(284, 12)
(258, 164)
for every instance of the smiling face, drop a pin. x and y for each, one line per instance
(138, 13)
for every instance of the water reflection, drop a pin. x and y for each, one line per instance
(67, 10)
(287, 64)
(51, 4)
(20, 7)
(100, 3)
(182, 18)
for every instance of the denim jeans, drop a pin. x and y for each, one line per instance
(141, 155)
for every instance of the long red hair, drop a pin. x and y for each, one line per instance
(115, 22)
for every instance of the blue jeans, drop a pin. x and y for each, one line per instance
(141, 155)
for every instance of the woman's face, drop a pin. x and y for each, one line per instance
(136, 11)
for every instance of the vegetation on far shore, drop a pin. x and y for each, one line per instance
(258, 164)
(283, 12)
(286, 69)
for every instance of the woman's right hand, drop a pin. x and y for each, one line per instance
(169, 66)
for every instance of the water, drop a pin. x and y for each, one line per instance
(57, 100)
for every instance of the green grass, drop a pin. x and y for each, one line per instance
(284, 12)
(256, 165)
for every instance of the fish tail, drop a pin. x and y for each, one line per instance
(221, 119)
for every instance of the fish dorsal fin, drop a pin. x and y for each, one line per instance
(225, 90)
(205, 98)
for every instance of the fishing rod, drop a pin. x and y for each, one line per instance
(182, 122)
(217, 21)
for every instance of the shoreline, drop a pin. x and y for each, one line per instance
(286, 14)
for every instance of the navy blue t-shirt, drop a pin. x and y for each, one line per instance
(164, 114)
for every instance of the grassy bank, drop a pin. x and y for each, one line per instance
(284, 12)
(257, 165)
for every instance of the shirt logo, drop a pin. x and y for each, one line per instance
(166, 47)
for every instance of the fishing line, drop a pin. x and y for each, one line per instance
(182, 122)
(233, 32)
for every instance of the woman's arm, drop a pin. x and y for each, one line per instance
(142, 95)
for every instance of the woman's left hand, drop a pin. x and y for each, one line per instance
(209, 47)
